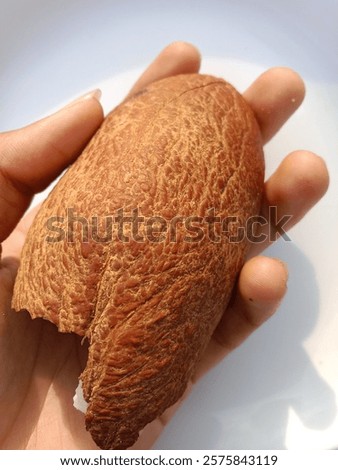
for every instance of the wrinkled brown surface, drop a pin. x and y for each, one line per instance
(182, 146)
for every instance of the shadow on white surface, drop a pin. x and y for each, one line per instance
(244, 403)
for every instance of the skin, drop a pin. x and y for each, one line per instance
(39, 367)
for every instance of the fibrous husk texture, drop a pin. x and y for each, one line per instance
(183, 147)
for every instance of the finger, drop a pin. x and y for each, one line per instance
(34, 156)
(274, 97)
(8, 270)
(177, 58)
(12, 246)
(261, 286)
(297, 185)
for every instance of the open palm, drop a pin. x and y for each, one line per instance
(39, 367)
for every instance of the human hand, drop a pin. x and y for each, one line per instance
(39, 367)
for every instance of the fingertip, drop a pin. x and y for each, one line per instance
(299, 182)
(190, 56)
(90, 103)
(179, 57)
(262, 285)
(93, 94)
(36, 154)
(310, 173)
(274, 96)
(291, 78)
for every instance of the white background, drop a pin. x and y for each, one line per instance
(279, 390)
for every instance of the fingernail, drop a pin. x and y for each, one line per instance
(94, 94)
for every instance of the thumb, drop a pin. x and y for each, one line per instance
(32, 157)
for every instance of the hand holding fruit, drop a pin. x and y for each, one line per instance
(61, 355)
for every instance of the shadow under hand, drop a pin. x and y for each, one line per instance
(251, 392)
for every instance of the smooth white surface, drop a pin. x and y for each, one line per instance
(279, 390)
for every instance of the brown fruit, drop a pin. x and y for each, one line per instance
(186, 146)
